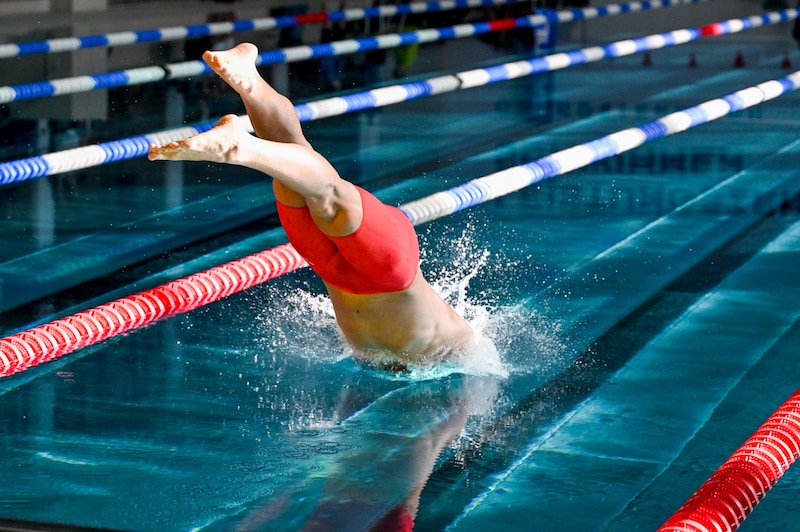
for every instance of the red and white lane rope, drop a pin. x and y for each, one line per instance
(52, 340)
(731, 493)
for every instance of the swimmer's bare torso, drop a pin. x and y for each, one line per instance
(413, 324)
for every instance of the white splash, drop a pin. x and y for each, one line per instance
(511, 335)
(301, 322)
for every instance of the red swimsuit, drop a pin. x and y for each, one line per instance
(381, 255)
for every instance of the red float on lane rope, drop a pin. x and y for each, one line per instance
(711, 29)
(731, 493)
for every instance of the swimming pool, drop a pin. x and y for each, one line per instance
(641, 315)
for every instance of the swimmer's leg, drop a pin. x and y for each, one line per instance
(335, 209)
(334, 203)
(272, 115)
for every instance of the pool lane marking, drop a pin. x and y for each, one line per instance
(49, 341)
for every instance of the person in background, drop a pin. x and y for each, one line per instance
(332, 66)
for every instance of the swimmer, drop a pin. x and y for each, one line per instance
(366, 252)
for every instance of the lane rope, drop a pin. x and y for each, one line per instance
(518, 177)
(173, 33)
(187, 69)
(741, 482)
(87, 156)
(52, 340)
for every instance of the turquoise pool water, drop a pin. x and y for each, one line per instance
(639, 319)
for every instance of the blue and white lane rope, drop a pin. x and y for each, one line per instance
(87, 156)
(548, 63)
(69, 44)
(515, 178)
(187, 69)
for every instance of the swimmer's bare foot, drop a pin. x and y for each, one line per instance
(218, 144)
(236, 66)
